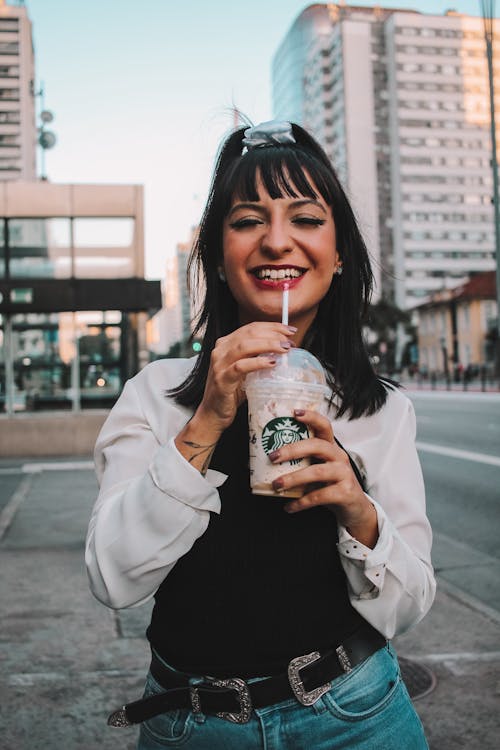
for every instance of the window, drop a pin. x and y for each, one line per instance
(39, 248)
(9, 71)
(410, 68)
(44, 359)
(9, 48)
(12, 117)
(9, 95)
(103, 247)
(9, 24)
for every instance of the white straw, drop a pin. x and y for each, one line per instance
(284, 309)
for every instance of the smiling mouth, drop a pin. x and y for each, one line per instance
(278, 273)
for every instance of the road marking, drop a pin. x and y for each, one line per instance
(483, 396)
(10, 510)
(482, 458)
(469, 656)
(33, 468)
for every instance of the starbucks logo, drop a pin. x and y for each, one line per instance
(282, 431)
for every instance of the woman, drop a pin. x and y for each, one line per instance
(271, 616)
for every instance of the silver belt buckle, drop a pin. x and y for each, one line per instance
(307, 698)
(242, 692)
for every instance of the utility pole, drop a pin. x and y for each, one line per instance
(488, 13)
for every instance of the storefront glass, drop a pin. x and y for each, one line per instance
(61, 360)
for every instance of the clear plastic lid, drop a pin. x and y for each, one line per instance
(295, 368)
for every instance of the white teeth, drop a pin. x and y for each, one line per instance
(282, 273)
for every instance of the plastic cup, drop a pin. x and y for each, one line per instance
(296, 382)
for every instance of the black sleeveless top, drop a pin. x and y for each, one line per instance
(258, 588)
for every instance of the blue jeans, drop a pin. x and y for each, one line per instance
(367, 709)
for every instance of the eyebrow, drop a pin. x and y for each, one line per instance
(256, 206)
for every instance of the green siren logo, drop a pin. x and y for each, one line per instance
(283, 431)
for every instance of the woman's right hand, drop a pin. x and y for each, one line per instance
(245, 350)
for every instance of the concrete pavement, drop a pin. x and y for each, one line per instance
(66, 661)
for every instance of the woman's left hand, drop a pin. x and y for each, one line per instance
(333, 482)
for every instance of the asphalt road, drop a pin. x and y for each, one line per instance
(459, 445)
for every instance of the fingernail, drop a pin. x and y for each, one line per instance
(278, 484)
(274, 455)
(292, 329)
(299, 412)
(272, 361)
(285, 344)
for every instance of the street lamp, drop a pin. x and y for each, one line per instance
(488, 13)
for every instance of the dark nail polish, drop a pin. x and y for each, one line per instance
(299, 412)
(278, 484)
(274, 455)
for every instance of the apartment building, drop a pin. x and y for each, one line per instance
(458, 327)
(399, 100)
(17, 95)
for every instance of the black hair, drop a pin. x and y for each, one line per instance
(335, 336)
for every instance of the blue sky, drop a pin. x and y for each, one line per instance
(142, 90)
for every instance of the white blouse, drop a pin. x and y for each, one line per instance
(153, 505)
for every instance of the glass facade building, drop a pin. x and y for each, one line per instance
(73, 298)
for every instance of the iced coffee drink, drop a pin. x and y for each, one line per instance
(296, 382)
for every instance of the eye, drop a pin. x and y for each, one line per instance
(312, 221)
(246, 222)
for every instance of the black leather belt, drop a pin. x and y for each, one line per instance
(307, 678)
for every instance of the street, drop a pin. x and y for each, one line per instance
(66, 660)
(458, 436)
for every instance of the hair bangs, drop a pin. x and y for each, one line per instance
(284, 172)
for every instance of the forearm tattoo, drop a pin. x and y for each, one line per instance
(200, 451)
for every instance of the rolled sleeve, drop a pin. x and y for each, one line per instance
(365, 567)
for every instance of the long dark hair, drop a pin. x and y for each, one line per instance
(335, 336)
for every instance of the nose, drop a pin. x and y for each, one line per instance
(277, 241)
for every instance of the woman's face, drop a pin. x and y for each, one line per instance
(288, 436)
(268, 243)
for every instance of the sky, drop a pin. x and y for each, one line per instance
(142, 92)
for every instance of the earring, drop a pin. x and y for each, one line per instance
(340, 268)
(221, 274)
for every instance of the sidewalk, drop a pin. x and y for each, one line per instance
(66, 661)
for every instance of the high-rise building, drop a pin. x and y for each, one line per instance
(290, 59)
(399, 100)
(17, 95)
